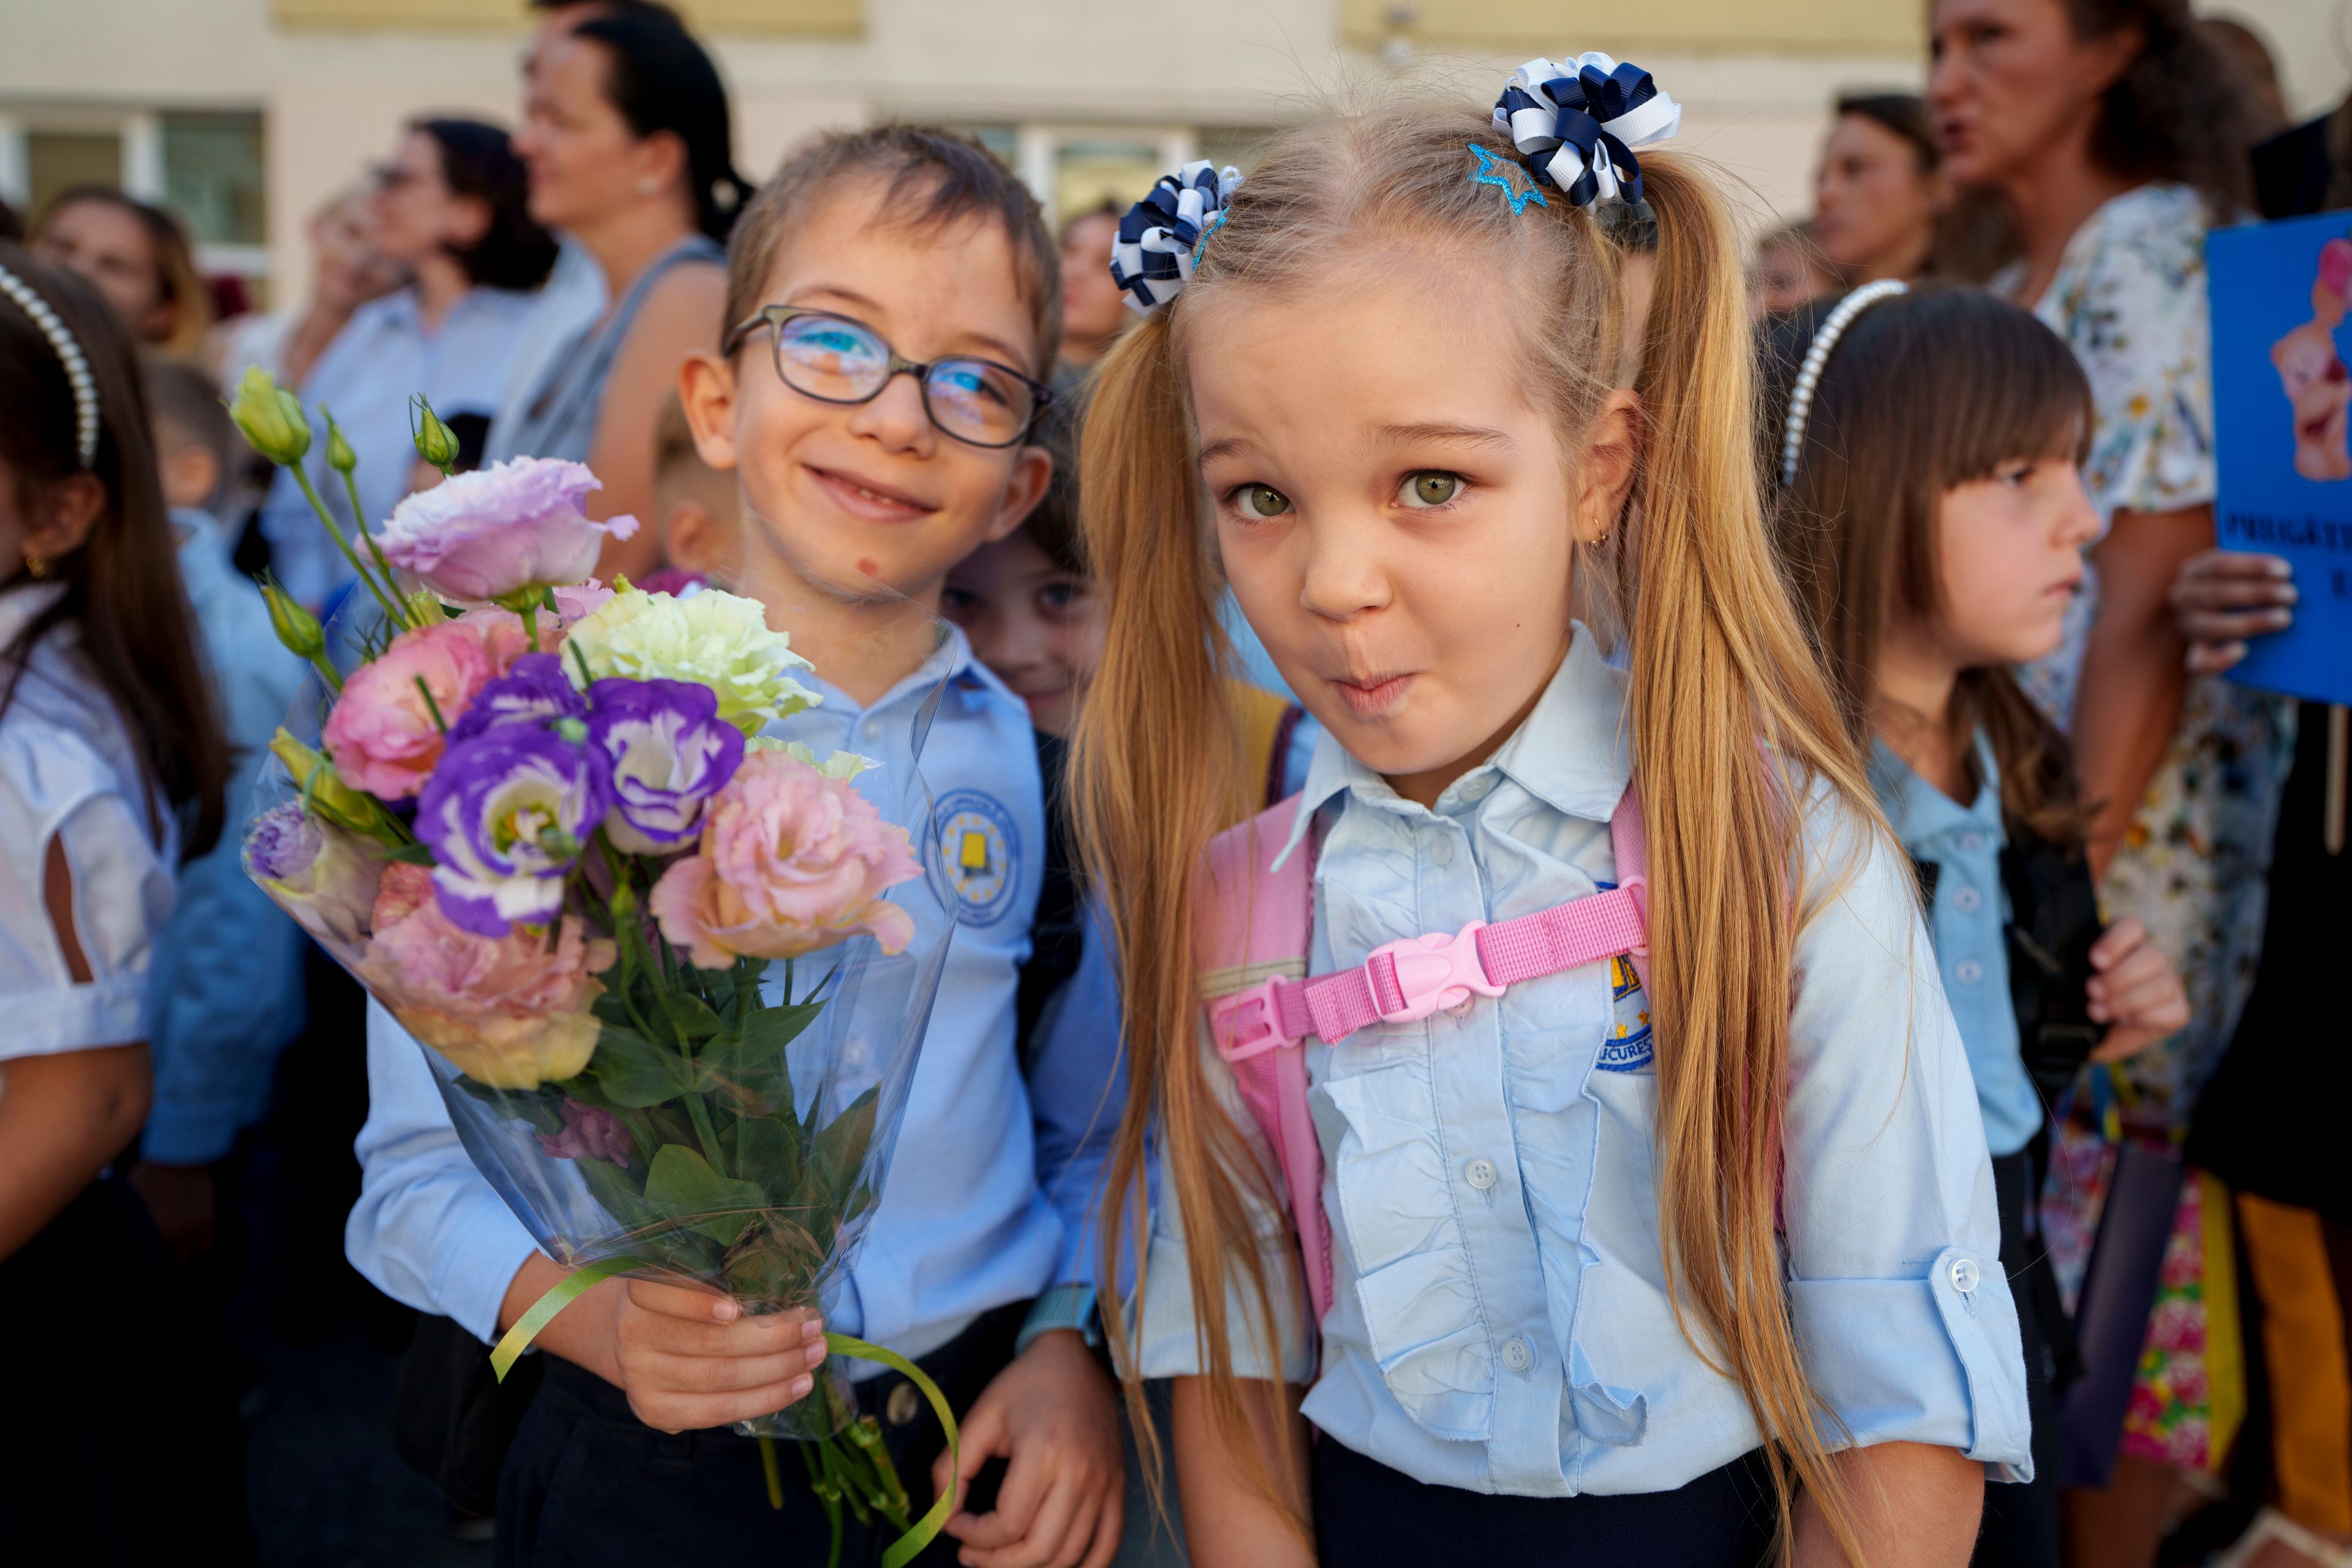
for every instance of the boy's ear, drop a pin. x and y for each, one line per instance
(1613, 450)
(705, 390)
(1033, 473)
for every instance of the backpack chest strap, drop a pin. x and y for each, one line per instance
(1409, 979)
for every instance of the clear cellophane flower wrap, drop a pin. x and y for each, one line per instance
(671, 969)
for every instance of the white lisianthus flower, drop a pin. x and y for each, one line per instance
(712, 639)
(841, 765)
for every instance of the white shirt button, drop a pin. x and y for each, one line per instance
(1967, 900)
(1518, 1357)
(1444, 853)
(1967, 972)
(1965, 1275)
(1481, 1174)
(1972, 843)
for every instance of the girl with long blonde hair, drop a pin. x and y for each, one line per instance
(1614, 1249)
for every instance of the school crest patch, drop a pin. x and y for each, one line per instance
(1629, 1048)
(980, 849)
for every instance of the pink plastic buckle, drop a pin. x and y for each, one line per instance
(1247, 1023)
(1432, 972)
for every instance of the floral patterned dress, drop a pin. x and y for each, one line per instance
(2129, 299)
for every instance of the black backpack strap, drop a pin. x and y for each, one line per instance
(1057, 937)
(2053, 923)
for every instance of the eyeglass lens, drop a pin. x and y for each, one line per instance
(844, 362)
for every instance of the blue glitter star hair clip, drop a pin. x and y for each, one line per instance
(1577, 124)
(1507, 176)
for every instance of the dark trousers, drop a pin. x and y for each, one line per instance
(587, 1484)
(1369, 1516)
(119, 1445)
(2020, 1520)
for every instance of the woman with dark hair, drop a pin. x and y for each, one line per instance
(1878, 192)
(111, 768)
(2110, 129)
(450, 210)
(139, 257)
(626, 131)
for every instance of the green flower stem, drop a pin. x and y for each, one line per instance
(359, 521)
(775, 1480)
(828, 1498)
(706, 1132)
(328, 672)
(310, 493)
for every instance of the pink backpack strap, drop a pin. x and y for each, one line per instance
(1256, 924)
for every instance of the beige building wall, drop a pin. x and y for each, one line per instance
(334, 78)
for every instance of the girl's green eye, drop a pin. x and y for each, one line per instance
(1431, 486)
(1264, 500)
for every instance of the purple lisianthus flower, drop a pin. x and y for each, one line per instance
(505, 814)
(590, 1132)
(502, 531)
(661, 752)
(534, 691)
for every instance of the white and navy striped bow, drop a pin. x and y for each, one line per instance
(1577, 124)
(1160, 237)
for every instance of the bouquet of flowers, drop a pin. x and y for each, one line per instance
(670, 968)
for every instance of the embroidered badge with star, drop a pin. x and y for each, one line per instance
(1507, 176)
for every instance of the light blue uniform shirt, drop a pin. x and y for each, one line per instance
(1500, 1319)
(383, 354)
(226, 989)
(1969, 918)
(964, 1224)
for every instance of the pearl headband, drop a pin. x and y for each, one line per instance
(69, 355)
(1809, 375)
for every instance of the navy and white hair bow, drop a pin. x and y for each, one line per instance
(1577, 124)
(1160, 237)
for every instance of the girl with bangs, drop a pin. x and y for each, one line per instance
(1610, 1188)
(1932, 520)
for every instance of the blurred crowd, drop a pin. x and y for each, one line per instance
(541, 285)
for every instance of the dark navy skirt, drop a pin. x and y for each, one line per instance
(1369, 1516)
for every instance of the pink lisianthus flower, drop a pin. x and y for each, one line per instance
(509, 1012)
(578, 601)
(590, 1132)
(790, 861)
(501, 531)
(383, 736)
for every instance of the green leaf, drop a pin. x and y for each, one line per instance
(838, 1152)
(768, 1150)
(767, 1032)
(690, 1015)
(412, 853)
(634, 1071)
(681, 1185)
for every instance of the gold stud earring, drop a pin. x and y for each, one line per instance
(37, 565)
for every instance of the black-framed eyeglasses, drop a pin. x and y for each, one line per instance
(839, 359)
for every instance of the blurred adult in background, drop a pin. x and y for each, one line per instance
(2110, 129)
(1094, 310)
(346, 272)
(140, 258)
(630, 153)
(450, 209)
(1878, 191)
(1789, 270)
(12, 228)
(2265, 114)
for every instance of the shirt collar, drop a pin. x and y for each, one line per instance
(203, 552)
(1573, 752)
(1921, 814)
(950, 661)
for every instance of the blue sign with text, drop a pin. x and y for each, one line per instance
(2281, 397)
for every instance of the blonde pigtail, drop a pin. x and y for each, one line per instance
(1157, 771)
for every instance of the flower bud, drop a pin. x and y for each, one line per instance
(436, 442)
(297, 627)
(323, 789)
(270, 417)
(340, 456)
